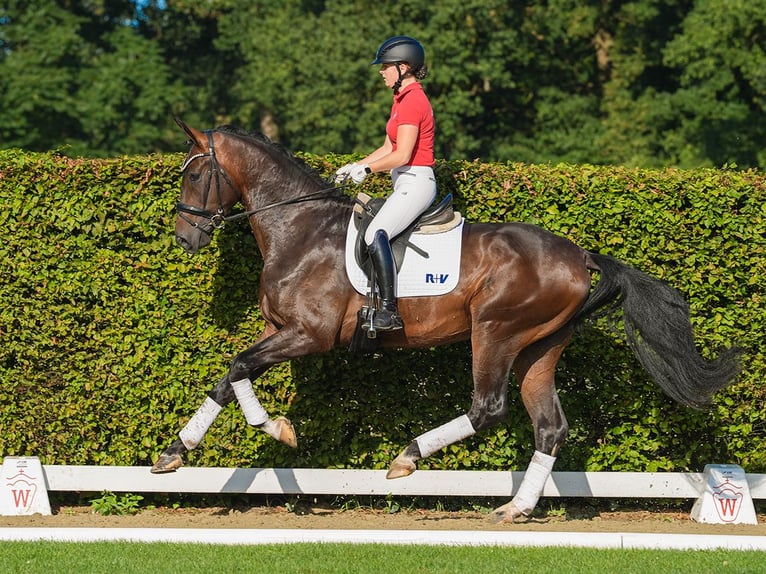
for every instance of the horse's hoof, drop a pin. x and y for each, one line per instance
(401, 467)
(505, 514)
(167, 463)
(285, 432)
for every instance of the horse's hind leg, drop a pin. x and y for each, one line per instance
(535, 368)
(491, 369)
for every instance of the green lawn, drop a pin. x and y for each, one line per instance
(101, 557)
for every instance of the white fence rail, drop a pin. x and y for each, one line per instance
(135, 479)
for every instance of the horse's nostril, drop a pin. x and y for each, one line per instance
(184, 243)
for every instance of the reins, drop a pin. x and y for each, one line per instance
(298, 199)
(218, 218)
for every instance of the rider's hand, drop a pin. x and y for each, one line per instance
(358, 172)
(343, 173)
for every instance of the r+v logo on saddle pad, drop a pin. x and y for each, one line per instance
(437, 278)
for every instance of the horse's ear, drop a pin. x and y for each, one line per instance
(194, 135)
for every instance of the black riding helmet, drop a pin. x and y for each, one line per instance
(401, 49)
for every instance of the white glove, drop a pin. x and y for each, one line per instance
(358, 172)
(343, 173)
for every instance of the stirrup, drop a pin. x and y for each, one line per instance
(384, 320)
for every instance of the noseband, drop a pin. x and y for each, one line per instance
(218, 218)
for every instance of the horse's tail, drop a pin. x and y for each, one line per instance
(659, 331)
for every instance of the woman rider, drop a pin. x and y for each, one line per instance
(408, 152)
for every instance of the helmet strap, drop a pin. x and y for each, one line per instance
(398, 84)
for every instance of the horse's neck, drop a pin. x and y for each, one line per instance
(285, 229)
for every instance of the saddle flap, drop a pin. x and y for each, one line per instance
(430, 268)
(438, 219)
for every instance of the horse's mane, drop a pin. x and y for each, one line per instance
(265, 141)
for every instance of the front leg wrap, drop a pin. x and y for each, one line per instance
(531, 487)
(191, 435)
(281, 428)
(254, 413)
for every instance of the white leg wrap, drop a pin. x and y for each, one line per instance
(451, 432)
(532, 485)
(255, 414)
(195, 429)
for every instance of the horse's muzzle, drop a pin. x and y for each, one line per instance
(193, 244)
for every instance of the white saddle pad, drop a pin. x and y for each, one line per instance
(419, 277)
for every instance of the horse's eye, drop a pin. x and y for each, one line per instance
(194, 177)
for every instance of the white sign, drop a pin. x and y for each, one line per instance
(726, 498)
(22, 487)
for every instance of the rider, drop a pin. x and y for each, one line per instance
(408, 151)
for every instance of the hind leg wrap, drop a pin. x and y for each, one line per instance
(532, 485)
(449, 433)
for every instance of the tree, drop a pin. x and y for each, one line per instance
(562, 56)
(82, 79)
(305, 78)
(636, 85)
(720, 104)
(126, 98)
(635, 82)
(307, 72)
(41, 55)
(186, 32)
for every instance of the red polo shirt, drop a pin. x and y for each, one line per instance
(411, 107)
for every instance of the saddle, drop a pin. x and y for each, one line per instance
(439, 218)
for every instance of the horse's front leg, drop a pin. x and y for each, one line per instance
(236, 384)
(191, 435)
(224, 393)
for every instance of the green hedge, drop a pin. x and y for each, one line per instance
(111, 335)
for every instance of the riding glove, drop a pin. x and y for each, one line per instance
(343, 173)
(359, 171)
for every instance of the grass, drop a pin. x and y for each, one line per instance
(126, 558)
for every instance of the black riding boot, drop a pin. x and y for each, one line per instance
(387, 318)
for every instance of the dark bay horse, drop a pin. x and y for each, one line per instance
(521, 293)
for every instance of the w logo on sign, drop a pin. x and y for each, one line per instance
(728, 500)
(22, 491)
(23, 498)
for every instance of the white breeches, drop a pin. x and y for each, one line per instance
(414, 191)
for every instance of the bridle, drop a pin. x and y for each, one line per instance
(218, 218)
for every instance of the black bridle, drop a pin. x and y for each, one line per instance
(218, 218)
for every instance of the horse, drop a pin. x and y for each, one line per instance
(521, 294)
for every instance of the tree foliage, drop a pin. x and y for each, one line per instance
(639, 83)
